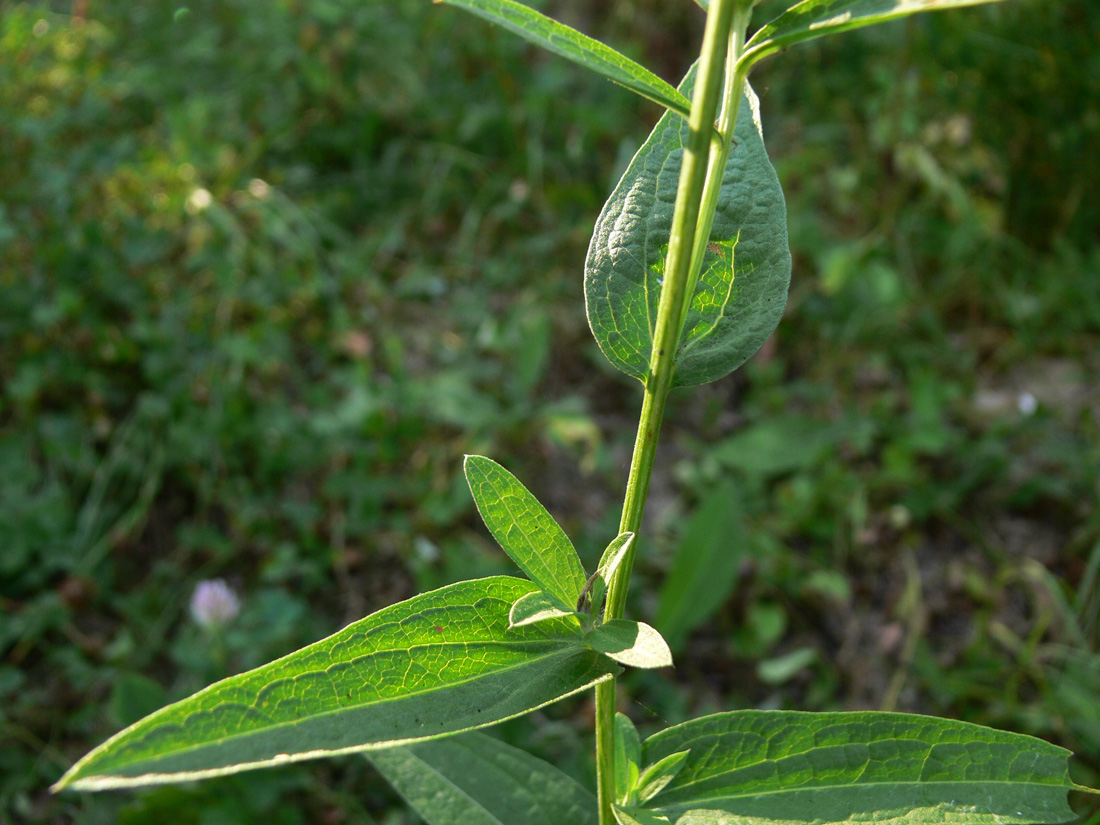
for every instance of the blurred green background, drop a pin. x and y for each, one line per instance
(269, 268)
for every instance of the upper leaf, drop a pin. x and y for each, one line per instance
(742, 286)
(437, 664)
(789, 766)
(473, 779)
(814, 18)
(526, 531)
(580, 48)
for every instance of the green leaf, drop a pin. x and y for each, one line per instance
(630, 643)
(581, 49)
(742, 287)
(814, 18)
(637, 816)
(612, 557)
(654, 778)
(437, 664)
(704, 569)
(526, 532)
(784, 668)
(537, 607)
(628, 756)
(473, 779)
(765, 767)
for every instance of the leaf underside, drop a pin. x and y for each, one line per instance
(814, 18)
(439, 663)
(474, 779)
(579, 48)
(742, 287)
(794, 767)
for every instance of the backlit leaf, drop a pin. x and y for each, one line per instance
(580, 48)
(814, 18)
(630, 643)
(537, 607)
(439, 663)
(525, 531)
(742, 287)
(473, 779)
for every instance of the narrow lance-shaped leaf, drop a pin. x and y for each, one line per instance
(704, 569)
(525, 531)
(814, 18)
(742, 287)
(580, 48)
(628, 756)
(764, 767)
(473, 779)
(437, 664)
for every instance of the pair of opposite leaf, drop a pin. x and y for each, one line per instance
(539, 547)
(635, 787)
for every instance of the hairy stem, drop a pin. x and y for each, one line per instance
(675, 294)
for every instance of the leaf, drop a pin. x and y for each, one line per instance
(537, 607)
(628, 756)
(525, 531)
(742, 287)
(788, 442)
(580, 48)
(612, 557)
(764, 767)
(474, 779)
(437, 664)
(630, 643)
(814, 18)
(637, 816)
(704, 569)
(784, 668)
(654, 778)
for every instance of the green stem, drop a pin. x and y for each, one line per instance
(680, 272)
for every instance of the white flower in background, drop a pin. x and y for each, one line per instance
(198, 200)
(1027, 404)
(214, 604)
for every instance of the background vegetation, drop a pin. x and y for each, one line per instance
(268, 269)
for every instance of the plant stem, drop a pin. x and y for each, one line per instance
(675, 294)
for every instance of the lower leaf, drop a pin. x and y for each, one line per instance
(437, 664)
(786, 766)
(473, 779)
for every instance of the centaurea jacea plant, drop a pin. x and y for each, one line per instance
(686, 277)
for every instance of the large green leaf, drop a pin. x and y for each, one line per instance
(439, 663)
(473, 779)
(742, 287)
(814, 18)
(580, 48)
(526, 531)
(772, 767)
